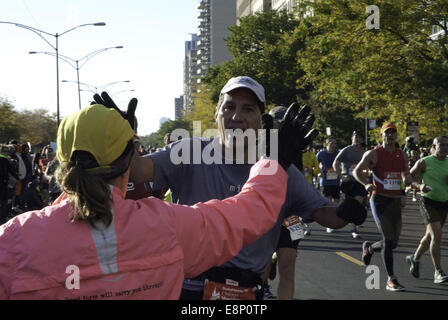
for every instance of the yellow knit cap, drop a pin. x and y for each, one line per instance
(99, 130)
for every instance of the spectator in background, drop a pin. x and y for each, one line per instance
(410, 145)
(6, 169)
(47, 156)
(33, 196)
(17, 203)
(167, 139)
(12, 181)
(330, 181)
(27, 161)
(35, 163)
(142, 151)
(54, 189)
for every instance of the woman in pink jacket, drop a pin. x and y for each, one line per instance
(94, 244)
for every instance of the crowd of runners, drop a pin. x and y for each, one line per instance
(219, 229)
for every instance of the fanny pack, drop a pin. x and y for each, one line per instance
(231, 284)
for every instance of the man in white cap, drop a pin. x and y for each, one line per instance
(240, 106)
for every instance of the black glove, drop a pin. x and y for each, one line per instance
(129, 115)
(295, 133)
(352, 211)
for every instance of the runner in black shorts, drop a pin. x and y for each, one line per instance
(330, 180)
(433, 206)
(291, 232)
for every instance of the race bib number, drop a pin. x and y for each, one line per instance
(331, 174)
(292, 223)
(392, 181)
(229, 291)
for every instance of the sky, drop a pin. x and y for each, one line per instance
(152, 33)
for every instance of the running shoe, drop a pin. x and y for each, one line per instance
(307, 231)
(355, 235)
(366, 254)
(415, 266)
(329, 230)
(267, 294)
(440, 276)
(393, 285)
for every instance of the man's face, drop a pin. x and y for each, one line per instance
(441, 147)
(357, 140)
(331, 145)
(50, 154)
(239, 110)
(390, 136)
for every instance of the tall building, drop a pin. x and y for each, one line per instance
(207, 48)
(178, 106)
(287, 5)
(437, 32)
(215, 18)
(190, 70)
(249, 7)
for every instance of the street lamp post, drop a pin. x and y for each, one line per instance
(55, 47)
(95, 89)
(77, 64)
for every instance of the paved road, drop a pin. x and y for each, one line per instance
(329, 266)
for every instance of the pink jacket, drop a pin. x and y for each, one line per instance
(146, 251)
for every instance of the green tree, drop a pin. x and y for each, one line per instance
(155, 139)
(397, 73)
(8, 122)
(204, 109)
(151, 140)
(37, 127)
(264, 48)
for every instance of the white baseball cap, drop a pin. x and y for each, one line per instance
(246, 82)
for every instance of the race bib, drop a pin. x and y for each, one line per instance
(331, 174)
(229, 291)
(292, 223)
(392, 181)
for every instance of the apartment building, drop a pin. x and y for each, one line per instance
(437, 32)
(249, 7)
(207, 48)
(178, 107)
(287, 5)
(215, 18)
(190, 70)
